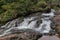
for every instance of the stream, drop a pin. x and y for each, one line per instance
(30, 23)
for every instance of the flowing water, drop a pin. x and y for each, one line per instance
(46, 22)
(30, 23)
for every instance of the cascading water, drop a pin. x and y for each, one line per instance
(46, 22)
(30, 23)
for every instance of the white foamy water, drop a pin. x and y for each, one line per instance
(44, 27)
(6, 32)
(30, 23)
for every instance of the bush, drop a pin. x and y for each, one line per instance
(10, 9)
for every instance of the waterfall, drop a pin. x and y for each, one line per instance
(30, 23)
(44, 27)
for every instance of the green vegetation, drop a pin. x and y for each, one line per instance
(10, 9)
(54, 4)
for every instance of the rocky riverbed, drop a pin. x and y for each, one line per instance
(56, 21)
(12, 33)
(29, 20)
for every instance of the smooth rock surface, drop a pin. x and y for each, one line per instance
(49, 38)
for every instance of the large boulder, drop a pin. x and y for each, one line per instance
(49, 38)
(56, 23)
(57, 19)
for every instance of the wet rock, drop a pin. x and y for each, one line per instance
(57, 28)
(57, 12)
(22, 36)
(56, 23)
(57, 20)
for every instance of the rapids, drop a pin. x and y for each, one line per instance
(30, 23)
